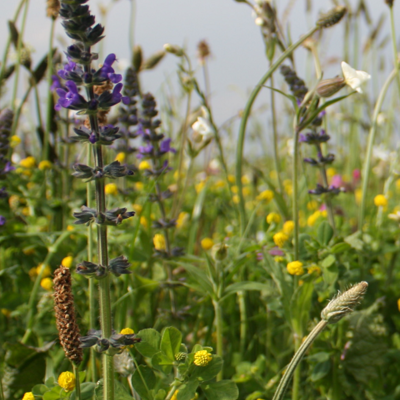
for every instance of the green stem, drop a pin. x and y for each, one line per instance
(395, 55)
(246, 114)
(295, 199)
(371, 139)
(32, 299)
(284, 383)
(45, 153)
(297, 372)
(77, 381)
(18, 63)
(218, 326)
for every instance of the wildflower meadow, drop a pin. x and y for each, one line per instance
(151, 250)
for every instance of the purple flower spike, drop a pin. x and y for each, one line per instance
(276, 252)
(69, 67)
(92, 138)
(56, 83)
(145, 150)
(165, 146)
(107, 71)
(9, 167)
(2, 220)
(70, 99)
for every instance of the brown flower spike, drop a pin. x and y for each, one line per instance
(68, 329)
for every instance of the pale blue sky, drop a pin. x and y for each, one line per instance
(238, 53)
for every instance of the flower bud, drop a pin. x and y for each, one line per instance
(219, 251)
(153, 60)
(328, 87)
(332, 17)
(389, 2)
(137, 58)
(173, 49)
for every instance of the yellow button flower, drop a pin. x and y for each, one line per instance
(45, 164)
(236, 198)
(312, 219)
(380, 200)
(202, 358)
(144, 165)
(127, 331)
(139, 185)
(14, 141)
(182, 219)
(273, 218)
(120, 157)
(280, 239)
(143, 221)
(28, 162)
(245, 180)
(266, 195)
(28, 396)
(138, 208)
(295, 268)
(67, 262)
(46, 271)
(314, 268)
(312, 205)
(111, 189)
(246, 191)
(46, 284)
(159, 242)
(288, 227)
(207, 243)
(279, 259)
(231, 178)
(199, 186)
(67, 381)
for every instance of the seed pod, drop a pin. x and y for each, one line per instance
(328, 87)
(331, 17)
(68, 329)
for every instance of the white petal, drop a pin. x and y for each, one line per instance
(354, 78)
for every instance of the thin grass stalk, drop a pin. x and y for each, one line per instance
(77, 381)
(371, 139)
(295, 194)
(45, 152)
(219, 333)
(285, 381)
(297, 371)
(246, 115)
(18, 63)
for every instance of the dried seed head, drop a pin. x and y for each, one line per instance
(331, 17)
(53, 8)
(68, 329)
(389, 2)
(203, 51)
(343, 303)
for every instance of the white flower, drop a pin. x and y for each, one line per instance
(203, 127)
(354, 78)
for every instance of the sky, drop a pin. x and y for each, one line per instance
(238, 59)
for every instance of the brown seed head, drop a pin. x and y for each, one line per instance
(331, 17)
(343, 303)
(68, 329)
(203, 51)
(53, 8)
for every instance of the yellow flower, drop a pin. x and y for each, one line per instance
(312, 219)
(139, 185)
(28, 162)
(279, 259)
(314, 268)
(234, 189)
(70, 228)
(273, 175)
(273, 217)
(398, 184)
(245, 180)
(138, 208)
(67, 261)
(175, 395)
(28, 396)
(182, 219)
(120, 157)
(219, 184)
(236, 198)
(231, 178)
(398, 304)
(46, 284)
(266, 195)
(111, 188)
(200, 186)
(207, 243)
(202, 358)
(289, 189)
(331, 172)
(380, 200)
(45, 164)
(312, 205)
(14, 141)
(144, 165)
(280, 239)
(46, 271)
(159, 242)
(143, 221)
(246, 191)
(288, 227)
(127, 331)
(295, 268)
(13, 201)
(26, 211)
(358, 195)
(67, 381)
(6, 312)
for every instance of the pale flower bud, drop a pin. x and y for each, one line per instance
(328, 87)
(173, 49)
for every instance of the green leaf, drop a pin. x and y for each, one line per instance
(300, 306)
(303, 252)
(39, 390)
(236, 287)
(87, 391)
(200, 277)
(162, 362)
(339, 248)
(210, 370)
(325, 233)
(120, 392)
(143, 380)
(222, 390)
(354, 241)
(330, 274)
(320, 370)
(328, 261)
(161, 394)
(56, 393)
(188, 390)
(150, 343)
(171, 342)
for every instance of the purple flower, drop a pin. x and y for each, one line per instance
(2, 220)
(259, 256)
(69, 67)
(337, 181)
(107, 72)
(56, 83)
(276, 252)
(107, 99)
(70, 99)
(145, 151)
(165, 146)
(8, 167)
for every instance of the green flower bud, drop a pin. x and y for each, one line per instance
(173, 49)
(328, 87)
(219, 251)
(331, 17)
